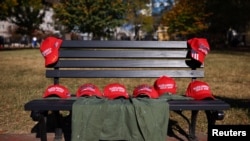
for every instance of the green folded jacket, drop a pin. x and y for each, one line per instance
(132, 119)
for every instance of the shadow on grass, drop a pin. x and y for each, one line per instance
(173, 128)
(237, 103)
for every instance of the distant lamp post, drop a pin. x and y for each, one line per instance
(137, 32)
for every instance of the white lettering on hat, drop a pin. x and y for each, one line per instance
(166, 86)
(145, 89)
(56, 44)
(56, 89)
(87, 88)
(203, 48)
(200, 88)
(47, 52)
(117, 89)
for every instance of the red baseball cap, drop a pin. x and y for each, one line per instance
(56, 90)
(49, 49)
(165, 84)
(88, 89)
(199, 90)
(145, 90)
(115, 90)
(200, 48)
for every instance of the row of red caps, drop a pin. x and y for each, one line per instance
(196, 89)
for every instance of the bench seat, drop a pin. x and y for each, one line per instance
(66, 105)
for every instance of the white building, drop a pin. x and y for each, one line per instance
(48, 24)
(6, 27)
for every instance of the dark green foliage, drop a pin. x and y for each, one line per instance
(26, 14)
(97, 17)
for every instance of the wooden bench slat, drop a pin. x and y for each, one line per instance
(121, 54)
(123, 73)
(121, 64)
(124, 44)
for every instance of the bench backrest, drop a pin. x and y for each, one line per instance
(123, 59)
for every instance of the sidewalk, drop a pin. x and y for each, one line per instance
(32, 137)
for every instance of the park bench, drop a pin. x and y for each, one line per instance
(125, 59)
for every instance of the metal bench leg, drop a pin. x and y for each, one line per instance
(66, 126)
(58, 134)
(58, 127)
(192, 126)
(42, 128)
(210, 118)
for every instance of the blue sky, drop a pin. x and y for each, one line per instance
(159, 5)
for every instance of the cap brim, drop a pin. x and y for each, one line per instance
(86, 93)
(53, 58)
(204, 97)
(54, 94)
(143, 95)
